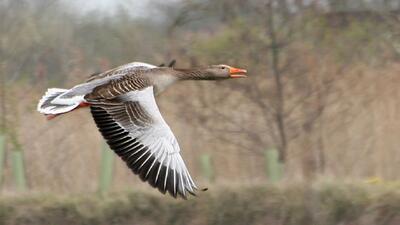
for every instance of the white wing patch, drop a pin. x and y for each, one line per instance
(137, 64)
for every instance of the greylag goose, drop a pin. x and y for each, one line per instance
(124, 109)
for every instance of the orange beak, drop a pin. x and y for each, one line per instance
(237, 73)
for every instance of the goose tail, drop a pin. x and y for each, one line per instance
(58, 101)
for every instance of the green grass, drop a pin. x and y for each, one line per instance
(295, 204)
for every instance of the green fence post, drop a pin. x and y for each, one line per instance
(274, 168)
(206, 167)
(2, 154)
(106, 169)
(18, 170)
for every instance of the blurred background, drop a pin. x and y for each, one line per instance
(321, 101)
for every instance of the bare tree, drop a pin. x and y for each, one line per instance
(278, 88)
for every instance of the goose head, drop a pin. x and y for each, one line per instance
(219, 72)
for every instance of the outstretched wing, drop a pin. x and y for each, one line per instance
(134, 128)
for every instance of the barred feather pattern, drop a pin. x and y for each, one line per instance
(119, 87)
(124, 69)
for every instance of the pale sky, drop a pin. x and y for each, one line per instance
(138, 7)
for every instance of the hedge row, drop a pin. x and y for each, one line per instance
(295, 204)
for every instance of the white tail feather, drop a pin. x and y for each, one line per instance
(53, 103)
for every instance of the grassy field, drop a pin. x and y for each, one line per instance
(297, 204)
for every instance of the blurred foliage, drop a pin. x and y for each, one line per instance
(295, 204)
(361, 40)
(48, 37)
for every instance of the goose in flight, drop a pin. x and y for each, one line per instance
(124, 109)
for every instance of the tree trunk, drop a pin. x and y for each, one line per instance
(279, 103)
(3, 98)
